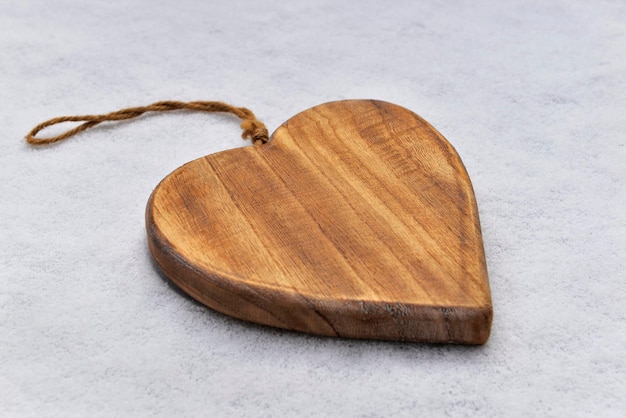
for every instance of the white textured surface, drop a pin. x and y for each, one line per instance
(531, 93)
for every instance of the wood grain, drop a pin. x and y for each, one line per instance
(357, 219)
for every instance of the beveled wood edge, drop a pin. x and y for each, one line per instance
(293, 311)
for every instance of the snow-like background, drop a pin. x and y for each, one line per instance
(531, 93)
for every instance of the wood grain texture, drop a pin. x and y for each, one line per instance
(357, 219)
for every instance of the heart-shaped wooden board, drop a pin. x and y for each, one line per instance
(357, 219)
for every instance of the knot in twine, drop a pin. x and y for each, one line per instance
(253, 128)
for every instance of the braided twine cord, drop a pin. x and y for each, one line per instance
(252, 127)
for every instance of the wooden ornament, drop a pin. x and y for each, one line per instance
(357, 219)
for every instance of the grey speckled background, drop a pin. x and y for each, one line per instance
(531, 93)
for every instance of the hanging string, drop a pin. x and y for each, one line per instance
(252, 127)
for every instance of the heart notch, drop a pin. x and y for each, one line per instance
(357, 219)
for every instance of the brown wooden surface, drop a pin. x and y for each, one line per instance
(357, 219)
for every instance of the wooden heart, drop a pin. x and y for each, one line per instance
(357, 220)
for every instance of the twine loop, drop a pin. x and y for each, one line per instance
(252, 128)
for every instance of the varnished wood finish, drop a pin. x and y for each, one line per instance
(357, 219)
